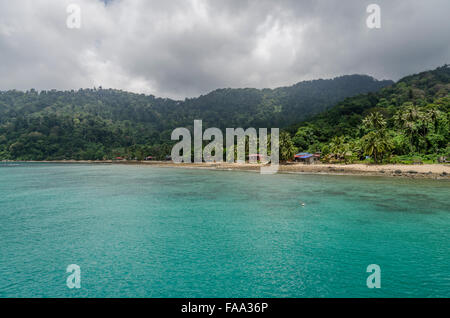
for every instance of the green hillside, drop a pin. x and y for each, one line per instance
(406, 120)
(104, 123)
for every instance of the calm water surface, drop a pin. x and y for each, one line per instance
(160, 232)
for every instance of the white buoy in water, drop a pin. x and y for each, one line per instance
(303, 204)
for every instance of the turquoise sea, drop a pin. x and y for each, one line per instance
(139, 231)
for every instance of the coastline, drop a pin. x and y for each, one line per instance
(428, 171)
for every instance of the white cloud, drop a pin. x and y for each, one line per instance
(182, 48)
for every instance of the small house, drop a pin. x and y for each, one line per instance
(307, 158)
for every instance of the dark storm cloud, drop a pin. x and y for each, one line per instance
(184, 48)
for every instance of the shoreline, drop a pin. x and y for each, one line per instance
(428, 171)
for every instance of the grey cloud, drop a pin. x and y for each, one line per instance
(183, 48)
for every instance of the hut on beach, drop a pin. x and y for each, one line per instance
(307, 158)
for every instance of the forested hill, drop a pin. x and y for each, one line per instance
(411, 118)
(104, 123)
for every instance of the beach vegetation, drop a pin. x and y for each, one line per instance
(405, 123)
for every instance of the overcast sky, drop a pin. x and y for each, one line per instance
(184, 48)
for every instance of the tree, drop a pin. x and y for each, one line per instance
(287, 147)
(409, 119)
(337, 147)
(304, 138)
(375, 121)
(376, 143)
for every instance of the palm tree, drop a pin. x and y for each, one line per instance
(433, 115)
(287, 147)
(375, 121)
(412, 121)
(377, 142)
(338, 147)
(376, 145)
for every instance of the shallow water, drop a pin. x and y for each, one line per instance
(165, 232)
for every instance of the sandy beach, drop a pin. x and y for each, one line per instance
(429, 171)
(432, 171)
